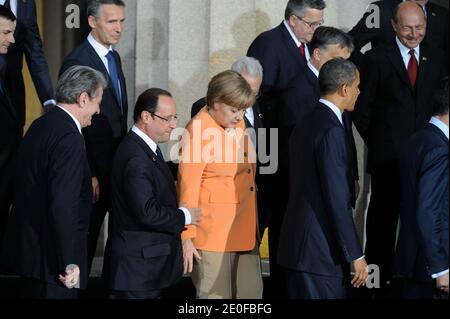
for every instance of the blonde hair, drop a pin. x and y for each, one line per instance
(230, 88)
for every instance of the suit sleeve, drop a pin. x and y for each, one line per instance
(190, 172)
(35, 58)
(139, 191)
(362, 115)
(66, 173)
(332, 164)
(432, 193)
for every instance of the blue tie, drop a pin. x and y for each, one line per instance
(114, 75)
(159, 153)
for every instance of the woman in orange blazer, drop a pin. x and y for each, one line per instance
(217, 174)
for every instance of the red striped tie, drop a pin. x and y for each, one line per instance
(412, 68)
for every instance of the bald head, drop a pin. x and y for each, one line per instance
(409, 24)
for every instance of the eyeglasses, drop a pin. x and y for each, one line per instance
(312, 25)
(170, 119)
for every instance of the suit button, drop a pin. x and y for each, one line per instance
(252, 189)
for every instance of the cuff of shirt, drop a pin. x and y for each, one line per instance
(187, 215)
(361, 258)
(442, 273)
(49, 102)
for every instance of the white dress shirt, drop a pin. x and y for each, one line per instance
(250, 115)
(73, 118)
(297, 43)
(404, 51)
(100, 50)
(313, 69)
(153, 146)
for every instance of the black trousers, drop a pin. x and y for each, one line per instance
(6, 194)
(36, 289)
(303, 285)
(422, 290)
(150, 294)
(382, 217)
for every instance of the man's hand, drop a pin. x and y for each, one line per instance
(442, 282)
(95, 190)
(188, 252)
(196, 215)
(71, 277)
(361, 273)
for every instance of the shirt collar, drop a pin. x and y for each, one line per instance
(313, 69)
(297, 43)
(73, 118)
(100, 49)
(146, 138)
(440, 125)
(405, 50)
(334, 108)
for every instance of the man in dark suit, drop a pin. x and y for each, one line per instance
(9, 124)
(252, 71)
(46, 239)
(422, 249)
(145, 242)
(302, 93)
(396, 90)
(375, 26)
(106, 18)
(29, 45)
(283, 52)
(318, 237)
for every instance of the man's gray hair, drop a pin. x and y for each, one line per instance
(249, 66)
(335, 74)
(298, 7)
(94, 6)
(77, 80)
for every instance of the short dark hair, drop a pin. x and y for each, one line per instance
(148, 101)
(7, 14)
(325, 36)
(336, 73)
(440, 98)
(298, 7)
(95, 5)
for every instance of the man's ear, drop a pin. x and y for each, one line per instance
(82, 98)
(343, 90)
(92, 22)
(291, 21)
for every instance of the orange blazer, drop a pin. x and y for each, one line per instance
(211, 177)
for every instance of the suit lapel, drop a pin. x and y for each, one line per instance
(98, 63)
(422, 73)
(290, 45)
(396, 59)
(157, 162)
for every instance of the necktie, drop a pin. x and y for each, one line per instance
(412, 68)
(159, 154)
(7, 4)
(302, 50)
(114, 75)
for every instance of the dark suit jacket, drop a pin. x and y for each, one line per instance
(145, 240)
(53, 196)
(437, 26)
(299, 99)
(422, 248)
(389, 110)
(27, 42)
(318, 235)
(9, 128)
(281, 61)
(110, 126)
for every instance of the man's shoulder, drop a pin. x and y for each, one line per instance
(270, 35)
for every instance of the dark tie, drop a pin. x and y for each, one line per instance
(7, 4)
(114, 75)
(302, 50)
(159, 154)
(412, 68)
